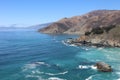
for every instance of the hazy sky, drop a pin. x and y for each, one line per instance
(42, 11)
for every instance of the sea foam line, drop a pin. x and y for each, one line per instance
(33, 65)
(50, 74)
(62, 73)
(55, 78)
(87, 67)
(73, 45)
(89, 78)
(40, 78)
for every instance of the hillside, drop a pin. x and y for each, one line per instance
(100, 37)
(84, 23)
(108, 36)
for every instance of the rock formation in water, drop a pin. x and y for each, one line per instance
(104, 67)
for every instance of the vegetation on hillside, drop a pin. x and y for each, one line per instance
(99, 30)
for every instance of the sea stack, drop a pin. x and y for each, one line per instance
(103, 67)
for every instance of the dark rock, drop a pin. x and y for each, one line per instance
(104, 67)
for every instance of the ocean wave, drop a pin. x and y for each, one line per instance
(50, 74)
(55, 78)
(101, 48)
(41, 63)
(40, 78)
(62, 73)
(29, 66)
(85, 48)
(118, 73)
(89, 78)
(64, 43)
(35, 76)
(87, 67)
(37, 72)
(34, 65)
(73, 45)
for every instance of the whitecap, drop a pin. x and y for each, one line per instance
(62, 73)
(93, 67)
(118, 79)
(83, 67)
(29, 66)
(39, 72)
(33, 72)
(35, 76)
(41, 63)
(73, 45)
(64, 43)
(100, 48)
(118, 73)
(55, 78)
(86, 49)
(87, 67)
(33, 65)
(89, 78)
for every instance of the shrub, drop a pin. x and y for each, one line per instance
(87, 33)
(107, 29)
(97, 30)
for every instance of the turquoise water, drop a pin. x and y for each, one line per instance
(29, 55)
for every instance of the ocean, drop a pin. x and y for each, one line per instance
(30, 55)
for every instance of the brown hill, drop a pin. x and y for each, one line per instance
(109, 36)
(84, 23)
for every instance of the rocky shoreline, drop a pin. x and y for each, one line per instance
(99, 37)
(83, 41)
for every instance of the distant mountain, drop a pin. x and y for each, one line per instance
(19, 26)
(84, 23)
(39, 26)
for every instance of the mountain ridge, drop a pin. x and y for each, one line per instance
(83, 23)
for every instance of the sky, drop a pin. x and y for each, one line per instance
(32, 12)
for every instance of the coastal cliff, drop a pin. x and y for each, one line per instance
(109, 36)
(83, 23)
(98, 28)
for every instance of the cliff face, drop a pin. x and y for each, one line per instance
(109, 36)
(84, 23)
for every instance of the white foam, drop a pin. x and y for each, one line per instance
(118, 73)
(55, 78)
(86, 49)
(83, 67)
(29, 66)
(39, 62)
(64, 43)
(33, 72)
(34, 65)
(93, 67)
(100, 48)
(73, 45)
(35, 76)
(89, 78)
(39, 72)
(118, 79)
(87, 67)
(62, 73)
